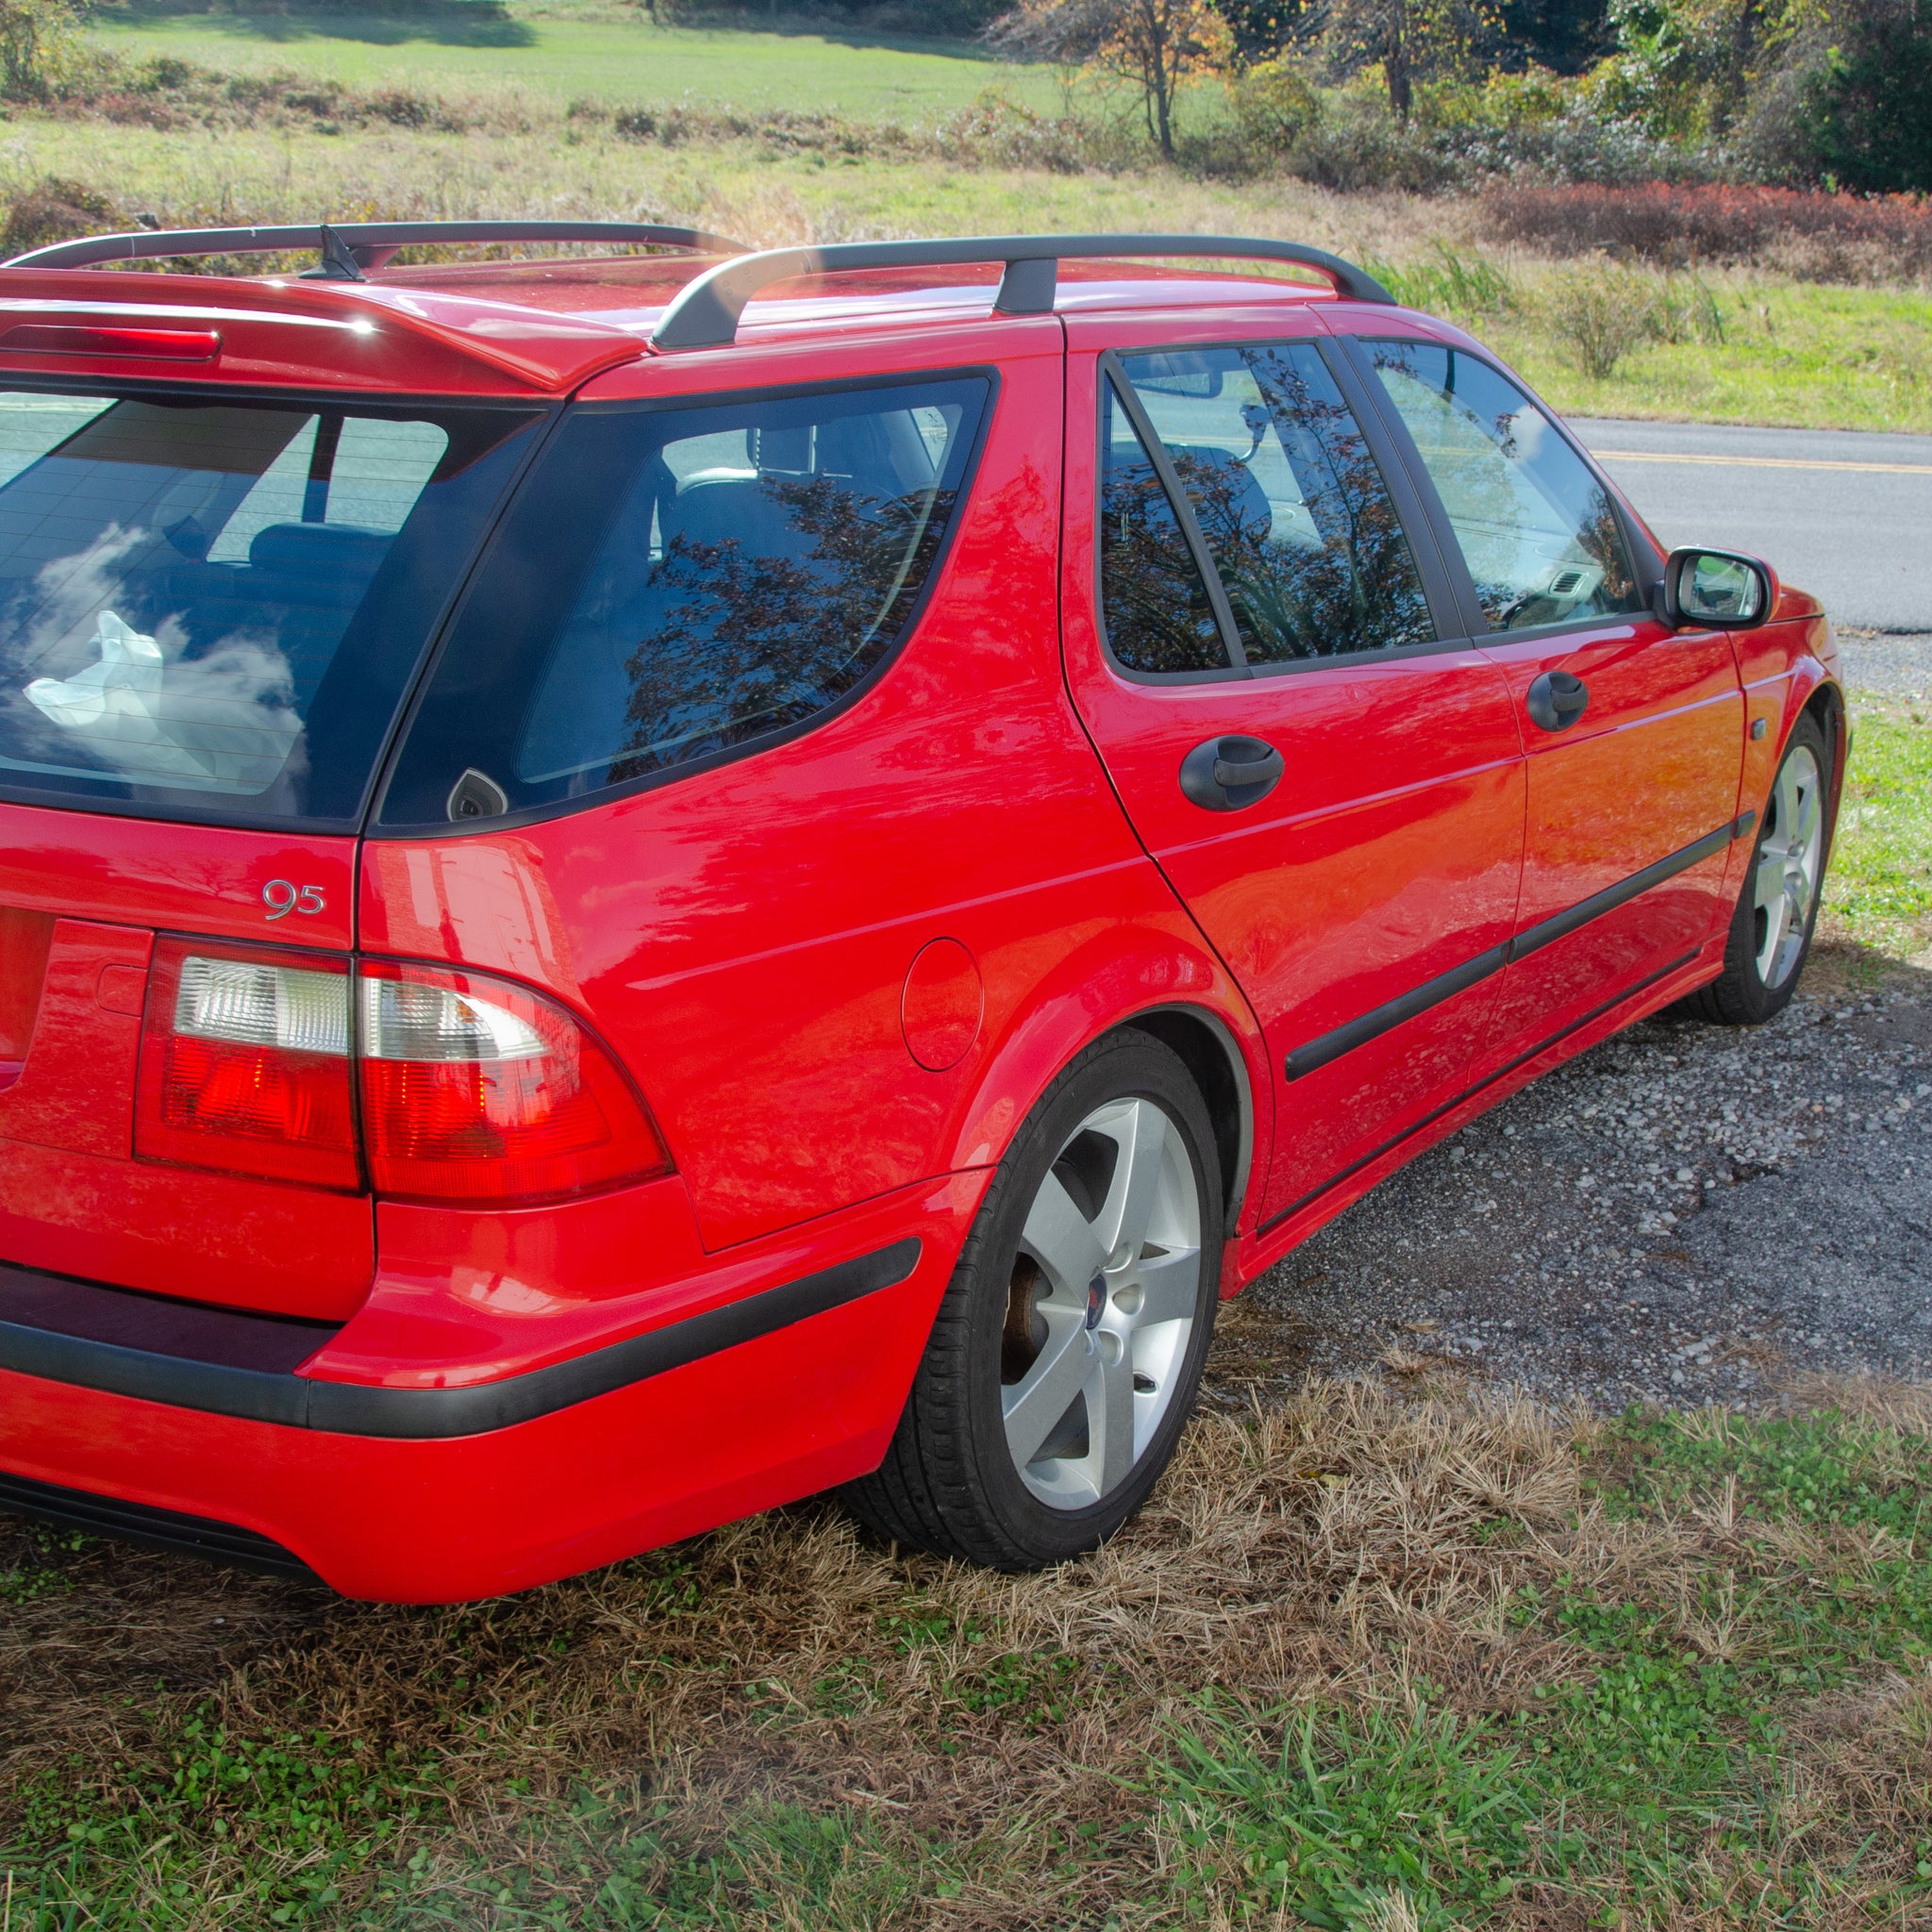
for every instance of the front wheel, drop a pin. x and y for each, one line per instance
(1771, 930)
(1067, 1352)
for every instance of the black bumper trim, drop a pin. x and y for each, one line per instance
(153, 1528)
(419, 1414)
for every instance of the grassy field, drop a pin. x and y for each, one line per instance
(563, 53)
(1768, 352)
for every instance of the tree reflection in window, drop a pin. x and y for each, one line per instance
(1288, 499)
(1538, 531)
(758, 641)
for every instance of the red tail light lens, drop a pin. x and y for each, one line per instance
(473, 1089)
(245, 1065)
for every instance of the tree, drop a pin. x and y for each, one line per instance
(1150, 45)
(1413, 40)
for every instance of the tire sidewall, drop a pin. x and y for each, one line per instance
(1765, 1002)
(1134, 1067)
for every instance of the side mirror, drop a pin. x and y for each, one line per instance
(1715, 589)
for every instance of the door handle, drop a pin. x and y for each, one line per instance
(1555, 700)
(1226, 774)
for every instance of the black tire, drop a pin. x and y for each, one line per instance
(949, 1482)
(1741, 996)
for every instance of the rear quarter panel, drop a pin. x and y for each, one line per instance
(742, 936)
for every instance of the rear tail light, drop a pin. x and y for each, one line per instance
(473, 1090)
(468, 1089)
(246, 1066)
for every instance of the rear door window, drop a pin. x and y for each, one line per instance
(1287, 498)
(679, 583)
(212, 608)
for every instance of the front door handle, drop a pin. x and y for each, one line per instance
(1557, 700)
(1226, 774)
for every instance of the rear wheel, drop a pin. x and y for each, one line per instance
(1771, 930)
(1068, 1350)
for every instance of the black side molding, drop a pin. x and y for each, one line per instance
(1502, 1073)
(270, 1395)
(1431, 992)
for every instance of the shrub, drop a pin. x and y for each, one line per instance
(1468, 288)
(1599, 311)
(53, 209)
(1675, 226)
(1274, 106)
(34, 37)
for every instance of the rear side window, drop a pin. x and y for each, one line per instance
(1287, 498)
(677, 583)
(213, 608)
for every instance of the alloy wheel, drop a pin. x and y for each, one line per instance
(1101, 1305)
(1789, 861)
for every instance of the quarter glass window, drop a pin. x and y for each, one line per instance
(1159, 619)
(674, 583)
(1536, 529)
(1288, 497)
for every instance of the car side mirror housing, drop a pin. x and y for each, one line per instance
(1715, 589)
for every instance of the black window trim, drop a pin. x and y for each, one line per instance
(700, 399)
(1445, 610)
(1645, 563)
(542, 414)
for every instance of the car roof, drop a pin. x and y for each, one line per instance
(531, 328)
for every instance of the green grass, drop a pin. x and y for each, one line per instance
(1879, 889)
(1709, 1704)
(561, 55)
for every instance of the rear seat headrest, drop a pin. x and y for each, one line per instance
(334, 549)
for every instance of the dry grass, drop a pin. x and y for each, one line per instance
(985, 1742)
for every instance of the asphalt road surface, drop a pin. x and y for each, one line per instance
(1844, 513)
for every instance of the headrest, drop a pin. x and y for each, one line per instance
(330, 550)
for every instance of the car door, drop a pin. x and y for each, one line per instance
(1633, 733)
(1260, 639)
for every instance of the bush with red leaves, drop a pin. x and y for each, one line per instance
(1835, 237)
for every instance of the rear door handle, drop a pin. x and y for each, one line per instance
(1227, 773)
(1555, 700)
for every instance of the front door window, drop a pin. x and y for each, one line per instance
(1536, 529)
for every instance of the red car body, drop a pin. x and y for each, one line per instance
(839, 966)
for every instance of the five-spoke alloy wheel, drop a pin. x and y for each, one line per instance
(1068, 1349)
(1771, 929)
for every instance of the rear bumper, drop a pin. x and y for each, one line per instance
(446, 1494)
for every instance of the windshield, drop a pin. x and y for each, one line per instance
(213, 607)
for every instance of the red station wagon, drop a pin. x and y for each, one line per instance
(633, 888)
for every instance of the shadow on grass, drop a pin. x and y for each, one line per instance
(448, 23)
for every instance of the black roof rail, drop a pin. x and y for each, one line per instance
(703, 314)
(349, 249)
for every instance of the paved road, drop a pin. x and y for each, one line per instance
(1846, 514)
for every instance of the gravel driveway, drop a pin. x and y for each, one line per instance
(1684, 1214)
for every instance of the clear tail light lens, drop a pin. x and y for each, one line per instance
(246, 1066)
(473, 1089)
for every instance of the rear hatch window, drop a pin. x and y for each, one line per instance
(681, 583)
(212, 609)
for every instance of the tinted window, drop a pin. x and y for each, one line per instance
(213, 607)
(1158, 618)
(1288, 497)
(1535, 528)
(677, 582)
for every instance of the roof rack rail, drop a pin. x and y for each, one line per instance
(350, 249)
(703, 314)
